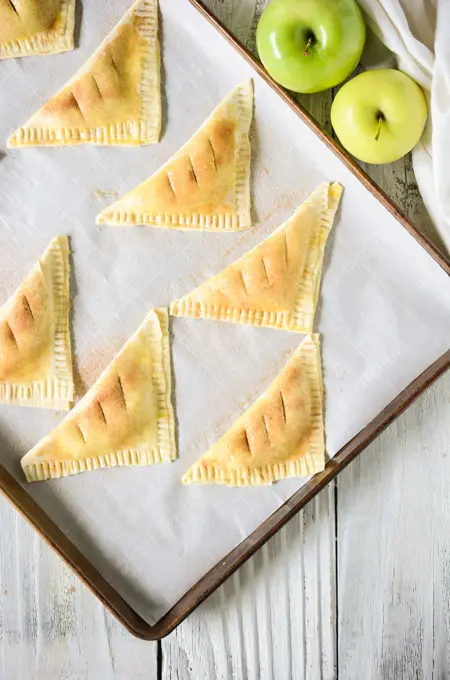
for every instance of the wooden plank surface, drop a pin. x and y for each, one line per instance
(394, 549)
(51, 626)
(274, 619)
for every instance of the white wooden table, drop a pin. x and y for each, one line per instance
(357, 586)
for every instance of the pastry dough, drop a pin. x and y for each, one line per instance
(114, 99)
(281, 435)
(35, 354)
(276, 284)
(206, 184)
(29, 27)
(126, 418)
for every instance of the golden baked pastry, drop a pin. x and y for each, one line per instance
(126, 418)
(206, 184)
(30, 27)
(114, 99)
(281, 435)
(276, 284)
(35, 354)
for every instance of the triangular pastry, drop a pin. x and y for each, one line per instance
(30, 27)
(276, 284)
(126, 418)
(206, 184)
(35, 354)
(114, 99)
(281, 435)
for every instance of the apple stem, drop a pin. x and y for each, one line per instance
(380, 120)
(308, 45)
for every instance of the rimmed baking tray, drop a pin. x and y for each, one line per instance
(61, 542)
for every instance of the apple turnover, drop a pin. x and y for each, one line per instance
(114, 99)
(206, 184)
(126, 418)
(32, 27)
(276, 284)
(281, 435)
(35, 352)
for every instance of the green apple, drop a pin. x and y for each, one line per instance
(310, 45)
(380, 115)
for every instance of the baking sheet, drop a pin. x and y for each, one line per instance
(384, 309)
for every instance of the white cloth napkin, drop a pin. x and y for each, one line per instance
(418, 33)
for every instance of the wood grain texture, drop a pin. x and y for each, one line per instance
(394, 549)
(51, 626)
(238, 15)
(274, 619)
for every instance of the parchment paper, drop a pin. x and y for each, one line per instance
(384, 309)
